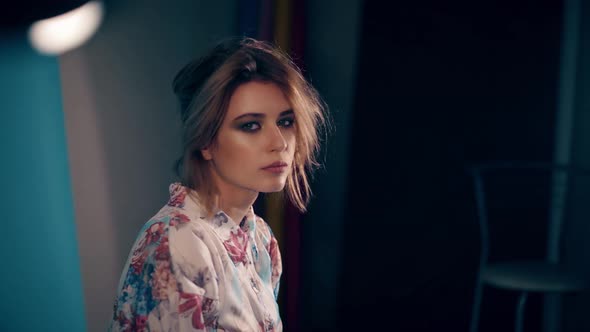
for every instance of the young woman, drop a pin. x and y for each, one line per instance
(205, 261)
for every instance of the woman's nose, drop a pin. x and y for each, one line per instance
(277, 141)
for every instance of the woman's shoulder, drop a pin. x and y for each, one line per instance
(150, 276)
(176, 216)
(264, 233)
(180, 209)
(263, 227)
(153, 237)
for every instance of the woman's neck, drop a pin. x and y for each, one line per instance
(236, 203)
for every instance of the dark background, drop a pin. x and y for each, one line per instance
(441, 84)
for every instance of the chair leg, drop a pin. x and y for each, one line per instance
(520, 311)
(474, 324)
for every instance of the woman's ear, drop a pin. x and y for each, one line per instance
(206, 152)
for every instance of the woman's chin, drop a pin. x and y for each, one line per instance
(273, 188)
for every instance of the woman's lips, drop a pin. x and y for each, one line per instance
(276, 169)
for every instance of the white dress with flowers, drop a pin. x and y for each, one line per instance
(187, 272)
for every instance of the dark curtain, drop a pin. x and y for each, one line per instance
(441, 84)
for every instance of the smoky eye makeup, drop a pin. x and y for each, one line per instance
(251, 122)
(287, 121)
(249, 126)
(287, 118)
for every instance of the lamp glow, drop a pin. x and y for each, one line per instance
(67, 31)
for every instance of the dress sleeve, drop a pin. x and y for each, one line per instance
(161, 290)
(276, 264)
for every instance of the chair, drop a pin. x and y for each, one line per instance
(526, 276)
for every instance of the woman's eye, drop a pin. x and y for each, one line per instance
(250, 126)
(286, 122)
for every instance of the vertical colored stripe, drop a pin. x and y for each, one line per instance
(282, 22)
(292, 268)
(298, 33)
(292, 214)
(282, 33)
(274, 216)
(275, 201)
(41, 286)
(266, 24)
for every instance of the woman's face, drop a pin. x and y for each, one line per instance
(258, 131)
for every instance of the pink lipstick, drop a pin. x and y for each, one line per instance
(277, 167)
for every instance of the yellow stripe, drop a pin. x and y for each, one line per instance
(282, 33)
(275, 215)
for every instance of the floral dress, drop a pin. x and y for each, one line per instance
(187, 272)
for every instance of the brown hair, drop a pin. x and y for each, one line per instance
(204, 87)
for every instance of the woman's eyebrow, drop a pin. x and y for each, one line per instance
(254, 115)
(262, 115)
(287, 112)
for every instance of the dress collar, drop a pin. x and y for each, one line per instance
(223, 225)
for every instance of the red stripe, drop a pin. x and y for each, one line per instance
(292, 215)
(266, 27)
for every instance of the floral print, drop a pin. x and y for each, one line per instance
(236, 246)
(187, 272)
(177, 195)
(192, 303)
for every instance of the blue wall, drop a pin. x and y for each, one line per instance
(40, 283)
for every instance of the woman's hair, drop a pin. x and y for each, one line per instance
(204, 88)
